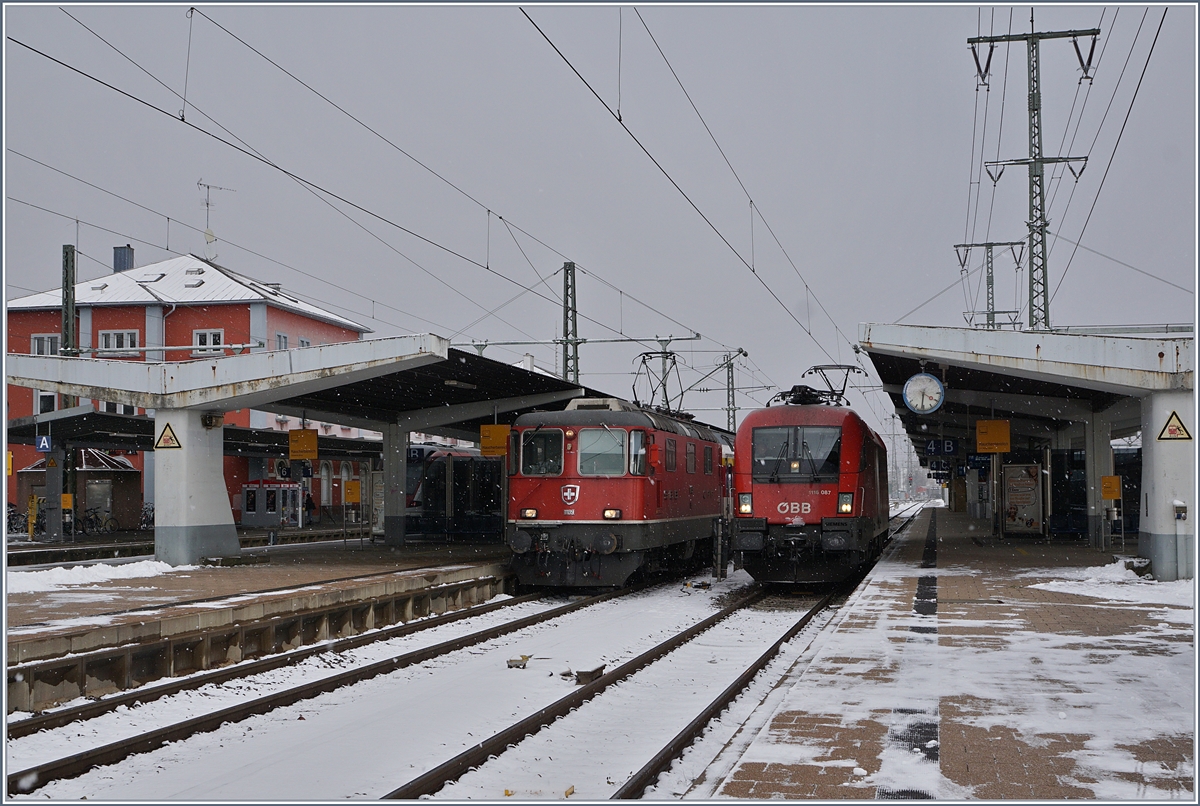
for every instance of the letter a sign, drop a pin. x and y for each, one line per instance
(43, 444)
(1174, 429)
(167, 439)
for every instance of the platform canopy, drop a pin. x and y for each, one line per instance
(84, 427)
(1041, 382)
(417, 382)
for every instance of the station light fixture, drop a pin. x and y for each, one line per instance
(612, 514)
(745, 504)
(529, 514)
(845, 503)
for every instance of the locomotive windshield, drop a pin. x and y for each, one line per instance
(602, 452)
(796, 454)
(542, 452)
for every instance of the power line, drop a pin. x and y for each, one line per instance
(1113, 154)
(670, 179)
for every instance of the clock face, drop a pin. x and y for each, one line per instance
(923, 393)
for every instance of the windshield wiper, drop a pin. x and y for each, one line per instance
(812, 462)
(774, 477)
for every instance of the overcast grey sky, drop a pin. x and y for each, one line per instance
(856, 131)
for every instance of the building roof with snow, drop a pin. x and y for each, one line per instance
(186, 280)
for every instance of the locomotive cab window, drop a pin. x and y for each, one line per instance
(542, 452)
(637, 453)
(602, 452)
(796, 454)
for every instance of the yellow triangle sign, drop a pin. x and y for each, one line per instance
(167, 439)
(1174, 429)
(51, 463)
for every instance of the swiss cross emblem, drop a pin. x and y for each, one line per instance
(570, 493)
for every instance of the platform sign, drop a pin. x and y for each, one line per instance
(1110, 487)
(992, 436)
(941, 447)
(979, 461)
(352, 494)
(8, 461)
(67, 501)
(493, 440)
(42, 443)
(302, 443)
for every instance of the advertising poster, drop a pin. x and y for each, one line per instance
(1022, 486)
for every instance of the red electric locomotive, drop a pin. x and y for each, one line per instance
(605, 488)
(811, 486)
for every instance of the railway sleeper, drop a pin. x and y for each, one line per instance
(40, 685)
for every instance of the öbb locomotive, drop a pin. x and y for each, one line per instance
(811, 487)
(606, 489)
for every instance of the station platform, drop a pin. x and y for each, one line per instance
(95, 638)
(971, 667)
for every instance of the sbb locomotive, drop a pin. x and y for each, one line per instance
(605, 489)
(811, 487)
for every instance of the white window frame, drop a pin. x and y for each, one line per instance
(106, 342)
(281, 341)
(37, 401)
(208, 348)
(36, 337)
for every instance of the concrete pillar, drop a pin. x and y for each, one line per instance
(1168, 475)
(155, 332)
(1098, 461)
(395, 458)
(192, 517)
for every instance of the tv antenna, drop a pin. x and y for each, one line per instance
(210, 251)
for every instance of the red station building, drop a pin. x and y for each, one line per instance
(199, 309)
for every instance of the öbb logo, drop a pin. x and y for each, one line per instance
(791, 507)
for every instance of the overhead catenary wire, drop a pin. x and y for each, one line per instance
(433, 172)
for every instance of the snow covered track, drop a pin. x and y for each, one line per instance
(727, 645)
(25, 781)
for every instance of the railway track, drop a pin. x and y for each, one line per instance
(27, 780)
(510, 742)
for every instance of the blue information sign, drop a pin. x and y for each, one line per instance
(43, 444)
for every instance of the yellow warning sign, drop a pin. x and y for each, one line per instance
(1110, 487)
(353, 492)
(67, 501)
(51, 463)
(167, 439)
(1174, 429)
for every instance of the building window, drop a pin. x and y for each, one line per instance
(119, 342)
(44, 345)
(118, 408)
(303, 342)
(47, 402)
(281, 341)
(207, 341)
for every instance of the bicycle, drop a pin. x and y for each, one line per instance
(95, 522)
(146, 521)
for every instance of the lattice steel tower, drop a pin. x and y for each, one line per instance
(1039, 298)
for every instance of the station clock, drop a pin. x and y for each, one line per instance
(924, 393)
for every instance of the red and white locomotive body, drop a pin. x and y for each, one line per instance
(811, 493)
(603, 489)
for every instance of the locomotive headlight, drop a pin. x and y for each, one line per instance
(529, 514)
(612, 514)
(845, 503)
(745, 504)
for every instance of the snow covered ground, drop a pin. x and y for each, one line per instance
(53, 579)
(365, 740)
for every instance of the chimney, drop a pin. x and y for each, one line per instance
(122, 258)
